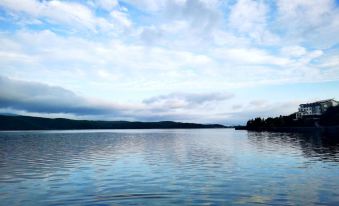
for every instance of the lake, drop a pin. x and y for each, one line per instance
(167, 167)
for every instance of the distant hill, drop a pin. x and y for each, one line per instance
(40, 123)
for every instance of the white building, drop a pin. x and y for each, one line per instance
(315, 109)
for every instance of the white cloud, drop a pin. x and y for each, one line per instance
(101, 49)
(304, 12)
(116, 66)
(121, 18)
(74, 15)
(106, 4)
(151, 5)
(227, 39)
(249, 18)
(31, 7)
(293, 51)
(300, 55)
(182, 100)
(188, 24)
(248, 15)
(250, 56)
(330, 61)
(311, 22)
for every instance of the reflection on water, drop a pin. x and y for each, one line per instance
(162, 167)
(312, 146)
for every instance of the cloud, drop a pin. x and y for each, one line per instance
(166, 59)
(248, 15)
(260, 108)
(107, 68)
(184, 100)
(249, 18)
(41, 98)
(258, 103)
(309, 22)
(150, 5)
(31, 98)
(330, 61)
(311, 13)
(190, 23)
(121, 18)
(72, 14)
(202, 15)
(250, 56)
(293, 51)
(108, 5)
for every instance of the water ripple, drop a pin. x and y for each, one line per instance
(167, 167)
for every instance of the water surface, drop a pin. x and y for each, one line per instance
(167, 167)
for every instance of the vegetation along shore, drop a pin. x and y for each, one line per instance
(323, 121)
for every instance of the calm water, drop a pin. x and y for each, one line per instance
(167, 167)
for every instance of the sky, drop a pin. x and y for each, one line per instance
(204, 61)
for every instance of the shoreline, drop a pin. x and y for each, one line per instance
(326, 130)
